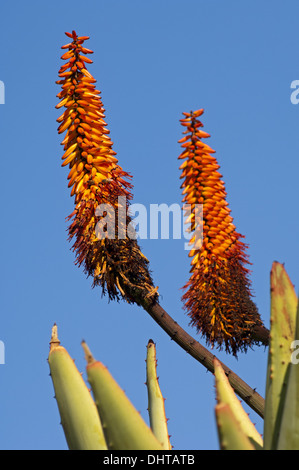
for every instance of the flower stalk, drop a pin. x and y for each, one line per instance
(217, 296)
(97, 182)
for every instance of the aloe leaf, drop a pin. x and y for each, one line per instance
(226, 395)
(288, 436)
(79, 417)
(231, 436)
(156, 408)
(282, 334)
(123, 426)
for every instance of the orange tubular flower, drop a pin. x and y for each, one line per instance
(217, 296)
(97, 181)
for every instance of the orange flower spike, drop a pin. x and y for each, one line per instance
(95, 178)
(217, 296)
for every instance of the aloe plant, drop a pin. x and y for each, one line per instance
(231, 435)
(229, 405)
(79, 417)
(109, 420)
(123, 425)
(156, 408)
(281, 421)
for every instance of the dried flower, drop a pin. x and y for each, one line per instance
(217, 297)
(97, 182)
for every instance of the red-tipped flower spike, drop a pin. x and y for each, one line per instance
(97, 182)
(217, 297)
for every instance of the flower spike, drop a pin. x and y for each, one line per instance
(101, 188)
(217, 296)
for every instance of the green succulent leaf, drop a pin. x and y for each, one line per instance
(226, 395)
(288, 436)
(78, 413)
(123, 426)
(231, 436)
(282, 335)
(156, 408)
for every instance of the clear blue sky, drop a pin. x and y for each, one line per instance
(152, 61)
